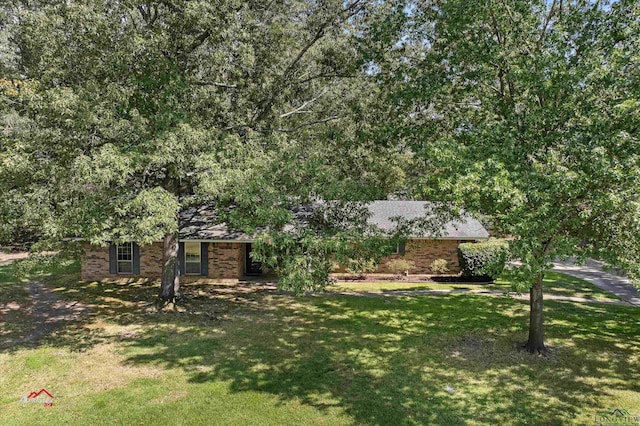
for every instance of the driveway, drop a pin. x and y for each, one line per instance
(593, 272)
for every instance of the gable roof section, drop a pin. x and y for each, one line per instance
(200, 223)
(383, 212)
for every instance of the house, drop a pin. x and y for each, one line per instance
(211, 250)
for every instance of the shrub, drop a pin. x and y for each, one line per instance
(360, 267)
(400, 267)
(439, 266)
(486, 259)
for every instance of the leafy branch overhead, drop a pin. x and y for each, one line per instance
(236, 103)
(522, 111)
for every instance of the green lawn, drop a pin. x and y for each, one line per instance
(555, 283)
(565, 285)
(264, 358)
(380, 286)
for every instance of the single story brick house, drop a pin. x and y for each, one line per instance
(213, 251)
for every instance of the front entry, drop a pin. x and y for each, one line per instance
(251, 266)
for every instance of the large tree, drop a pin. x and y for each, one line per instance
(131, 110)
(527, 112)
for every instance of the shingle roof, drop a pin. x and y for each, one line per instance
(383, 212)
(200, 223)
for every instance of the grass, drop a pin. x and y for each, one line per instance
(555, 283)
(381, 286)
(565, 285)
(257, 357)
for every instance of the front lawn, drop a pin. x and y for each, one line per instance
(554, 283)
(565, 285)
(384, 286)
(257, 357)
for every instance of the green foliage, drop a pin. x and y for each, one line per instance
(117, 115)
(304, 256)
(302, 261)
(484, 259)
(439, 266)
(360, 266)
(47, 259)
(400, 267)
(301, 274)
(528, 116)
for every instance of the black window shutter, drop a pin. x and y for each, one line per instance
(181, 258)
(113, 259)
(204, 259)
(136, 259)
(401, 248)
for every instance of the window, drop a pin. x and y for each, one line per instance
(192, 258)
(400, 248)
(125, 258)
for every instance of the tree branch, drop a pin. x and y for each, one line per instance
(310, 123)
(547, 20)
(199, 40)
(323, 75)
(304, 105)
(214, 83)
(268, 102)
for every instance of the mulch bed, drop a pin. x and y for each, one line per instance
(448, 279)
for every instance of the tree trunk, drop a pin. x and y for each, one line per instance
(170, 284)
(536, 319)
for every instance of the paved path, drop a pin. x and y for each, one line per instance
(592, 272)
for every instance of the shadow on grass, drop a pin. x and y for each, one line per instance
(381, 360)
(389, 361)
(74, 314)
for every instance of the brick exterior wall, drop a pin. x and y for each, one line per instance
(226, 262)
(424, 252)
(151, 260)
(95, 262)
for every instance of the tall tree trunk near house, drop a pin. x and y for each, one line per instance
(535, 344)
(170, 284)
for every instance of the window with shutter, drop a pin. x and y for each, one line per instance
(124, 256)
(192, 260)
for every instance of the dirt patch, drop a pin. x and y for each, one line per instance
(44, 314)
(472, 347)
(48, 312)
(103, 367)
(492, 350)
(11, 306)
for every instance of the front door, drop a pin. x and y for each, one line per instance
(251, 266)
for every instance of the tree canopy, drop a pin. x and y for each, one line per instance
(527, 112)
(125, 112)
(118, 114)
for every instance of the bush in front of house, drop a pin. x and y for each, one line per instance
(400, 267)
(361, 267)
(484, 259)
(439, 266)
